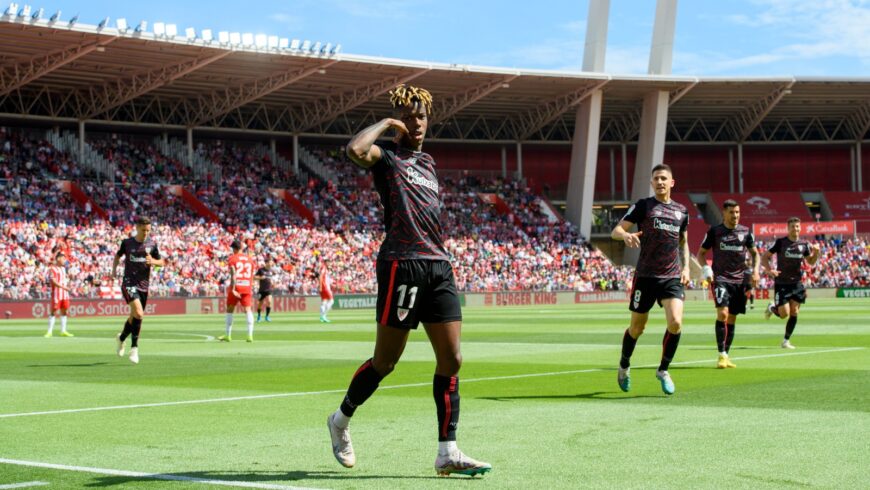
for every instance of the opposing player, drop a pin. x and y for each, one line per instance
(789, 292)
(748, 284)
(326, 298)
(60, 290)
(140, 254)
(240, 291)
(415, 278)
(729, 241)
(662, 271)
(264, 275)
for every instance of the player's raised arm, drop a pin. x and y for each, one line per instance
(154, 259)
(362, 148)
(815, 253)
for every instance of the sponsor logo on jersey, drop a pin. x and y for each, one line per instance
(416, 178)
(664, 225)
(730, 248)
(795, 253)
(133, 258)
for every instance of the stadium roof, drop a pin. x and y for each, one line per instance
(61, 72)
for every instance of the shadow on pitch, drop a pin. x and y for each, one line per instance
(91, 364)
(224, 477)
(598, 395)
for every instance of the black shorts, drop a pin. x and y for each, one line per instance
(132, 293)
(730, 295)
(263, 294)
(783, 293)
(646, 291)
(414, 291)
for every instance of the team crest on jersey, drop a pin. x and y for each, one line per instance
(741, 236)
(402, 313)
(678, 215)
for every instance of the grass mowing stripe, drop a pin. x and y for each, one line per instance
(153, 476)
(406, 385)
(26, 484)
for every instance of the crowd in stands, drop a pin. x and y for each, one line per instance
(493, 250)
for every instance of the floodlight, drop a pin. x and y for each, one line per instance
(306, 45)
(294, 44)
(55, 17)
(171, 30)
(248, 39)
(326, 49)
(74, 19)
(207, 35)
(11, 9)
(38, 14)
(190, 33)
(273, 42)
(283, 43)
(159, 29)
(261, 41)
(235, 38)
(24, 12)
(103, 23)
(223, 37)
(336, 49)
(142, 27)
(121, 24)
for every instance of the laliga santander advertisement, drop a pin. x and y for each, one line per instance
(814, 228)
(86, 308)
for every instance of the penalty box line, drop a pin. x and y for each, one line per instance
(152, 476)
(407, 385)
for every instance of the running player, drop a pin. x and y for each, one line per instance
(140, 254)
(659, 277)
(264, 275)
(789, 292)
(58, 280)
(415, 278)
(240, 290)
(729, 242)
(326, 298)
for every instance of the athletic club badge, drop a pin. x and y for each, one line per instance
(402, 313)
(740, 237)
(678, 215)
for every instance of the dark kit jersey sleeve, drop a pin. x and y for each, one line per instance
(662, 225)
(137, 272)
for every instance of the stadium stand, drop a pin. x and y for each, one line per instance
(766, 207)
(850, 206)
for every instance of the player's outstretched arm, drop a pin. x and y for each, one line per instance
(620, 232)
(362, 148)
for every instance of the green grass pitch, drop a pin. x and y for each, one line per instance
(539, 402)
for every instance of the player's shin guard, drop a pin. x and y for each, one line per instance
(669, 348)
(365, 381)
(789, 326)
(128, 329)
(135, 327)
(729, 336)
(445, 389)
(720, 335)
(628, 343)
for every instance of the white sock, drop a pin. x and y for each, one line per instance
(63, 324)
(446, 448)
(723, 354)
(329, 304)
(340, 419)
(250, 317)
(229, 324)
(322, 308)
(51, 320)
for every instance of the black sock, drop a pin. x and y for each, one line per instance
(127, 330)
(136, 327)
(268, 311)
(446, 392)
(729, 336)
(789, 326)
(258, 311)
(669, 348)
(752, 299)
(628, 343)
(720, 335)
(365, 381)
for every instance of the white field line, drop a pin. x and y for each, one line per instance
(407, 385)
(154, 476)
(26, 484)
